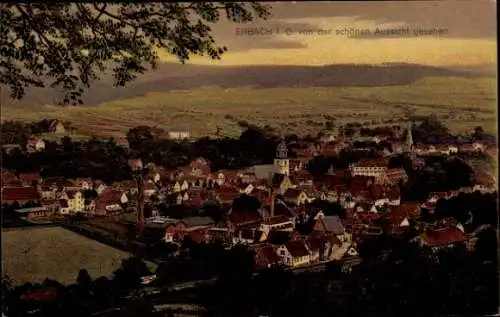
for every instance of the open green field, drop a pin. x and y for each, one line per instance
(33, 254)
(461, 103)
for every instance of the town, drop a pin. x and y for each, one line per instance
(309, 203)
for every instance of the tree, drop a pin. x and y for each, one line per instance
(67, 45)
(245, 202)
(129, 274)
(83, 279)
(89, 193)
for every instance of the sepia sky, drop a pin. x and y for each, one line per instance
(463, 33)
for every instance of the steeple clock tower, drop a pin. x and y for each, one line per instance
(281, 162)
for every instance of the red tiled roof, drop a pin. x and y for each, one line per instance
(379, 162)
(227, 189)
(227, 197)
(330, 181)
(57, 181)
(265, 255)
(29, 177)
(110, 195)
(13, 183)
(244, 217)
(19, 194)
(441, 237)
(361, 181)
(297, 248)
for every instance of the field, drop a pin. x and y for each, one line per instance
(461, 103)
(31, 255)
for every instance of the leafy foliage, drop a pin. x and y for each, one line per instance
(68, 45)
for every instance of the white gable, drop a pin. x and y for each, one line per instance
(404, 223)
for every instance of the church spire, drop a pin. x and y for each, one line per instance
(409, 139)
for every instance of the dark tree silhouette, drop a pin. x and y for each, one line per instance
(245, 203)
(67, 45)
(84, 279)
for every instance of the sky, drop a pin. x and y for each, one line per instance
(434, 33)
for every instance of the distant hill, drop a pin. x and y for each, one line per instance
(172, 76)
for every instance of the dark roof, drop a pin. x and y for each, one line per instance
(334, 225)
(297, 248)
(19, 194)
(266, 255)
(278, 237)
(197, 221)
(244, 217)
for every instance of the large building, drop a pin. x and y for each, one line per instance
(369, 167)
(282, 162)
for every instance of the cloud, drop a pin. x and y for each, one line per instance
(464, 19)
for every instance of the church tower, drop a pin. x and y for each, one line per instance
(281, 162)
(409, 148)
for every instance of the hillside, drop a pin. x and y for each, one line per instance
(172, 76)
(462, 103)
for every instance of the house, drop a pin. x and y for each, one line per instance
(34, 212)
(51, 186)
(396, 175)
(174, 231)
(331, 224)
(89, 205)
(99, 186)
(294, 253)
(35, 145)
(244, 219)
(21, 195)
(247, 236)
(74, 200)
(149, 188)
(84, 183)
(178, 135)
(281, 183)
(295, 196)
(181, 185)
(441, 238)
(30, 179)
(265, 256)
(398, 217)
(280, 222)
(369, 167)
(315, 246)
(57, 127)
(110, 202)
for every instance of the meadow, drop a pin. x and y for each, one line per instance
(33, 254)
(460, 102)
